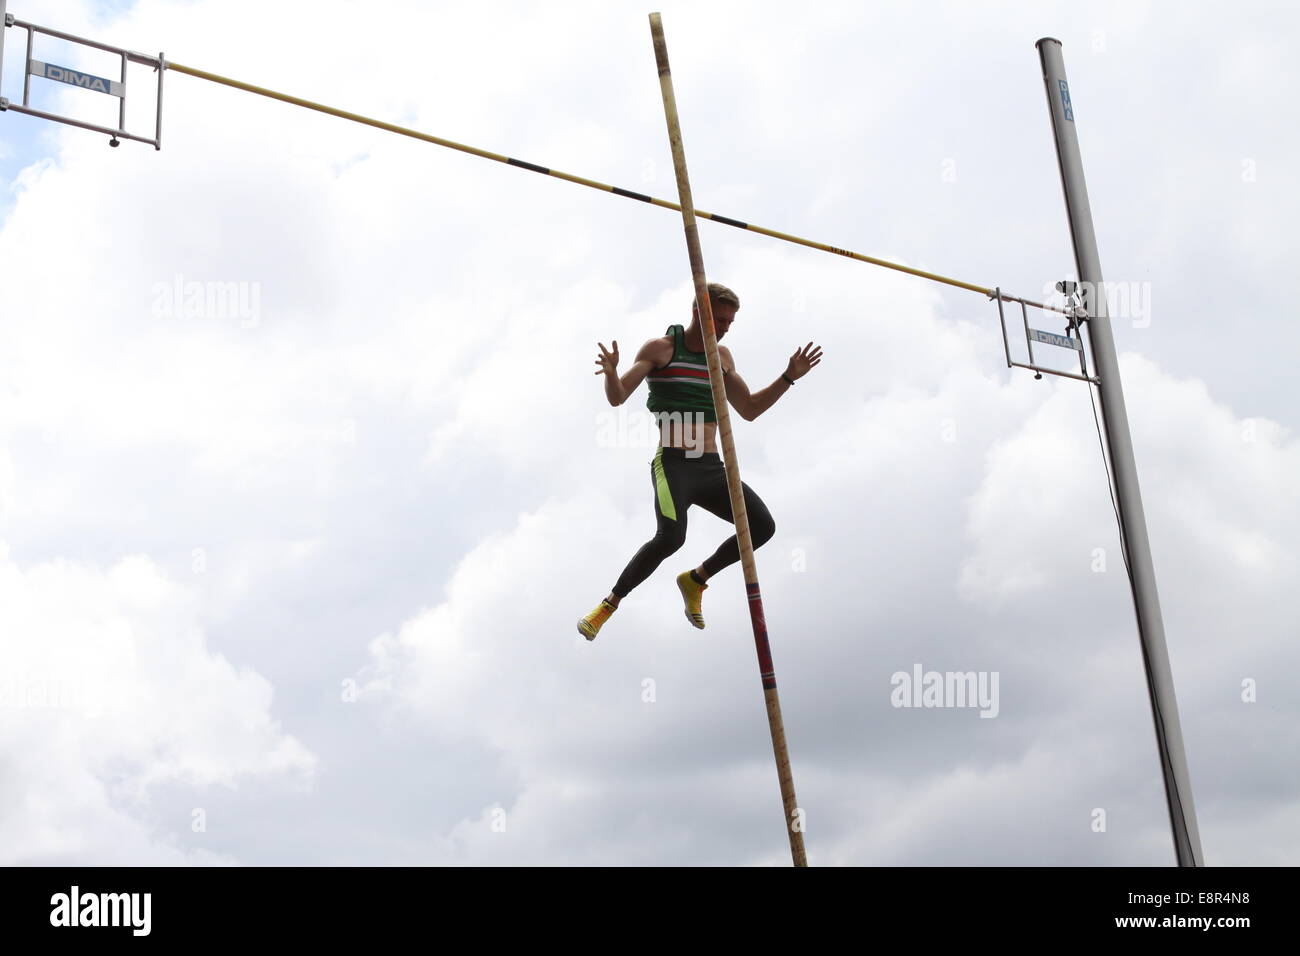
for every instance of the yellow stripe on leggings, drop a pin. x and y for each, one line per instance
(661, 487)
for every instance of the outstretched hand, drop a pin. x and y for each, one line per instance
(802, 360)
(608, 361)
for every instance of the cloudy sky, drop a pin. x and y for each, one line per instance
(294, 581)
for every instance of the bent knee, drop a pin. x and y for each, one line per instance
(763, 530)
(670, 541)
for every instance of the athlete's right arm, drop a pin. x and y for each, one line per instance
(619, 388)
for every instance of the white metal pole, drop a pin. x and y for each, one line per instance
(1133, 529)
(4, 33)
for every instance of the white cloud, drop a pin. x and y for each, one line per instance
(110, 690)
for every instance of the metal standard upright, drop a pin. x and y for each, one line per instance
(1133, 529)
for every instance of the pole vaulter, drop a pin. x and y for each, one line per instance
(793, 815)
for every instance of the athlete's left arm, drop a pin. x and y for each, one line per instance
(751, 406)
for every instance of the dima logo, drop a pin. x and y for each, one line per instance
(101, 909)
(64, 75)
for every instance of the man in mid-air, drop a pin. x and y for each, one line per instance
(681, 397)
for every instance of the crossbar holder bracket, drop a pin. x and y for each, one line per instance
(1072, 339)
(87, 81)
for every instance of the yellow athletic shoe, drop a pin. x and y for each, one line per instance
(589, 626)
(691, 592)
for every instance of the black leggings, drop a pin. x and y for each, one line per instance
(680, 482)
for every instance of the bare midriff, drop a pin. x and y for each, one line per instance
(693, 436)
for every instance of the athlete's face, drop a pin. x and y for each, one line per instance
(724, 313)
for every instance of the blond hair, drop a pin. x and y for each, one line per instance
(720, 293)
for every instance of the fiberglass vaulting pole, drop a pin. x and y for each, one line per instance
(1133, 529)
(793, 816)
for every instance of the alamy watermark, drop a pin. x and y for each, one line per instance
(946, 689)
(220, 301)
(1124, 300)
(618, 429)
(21, 690)
(128, 910)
